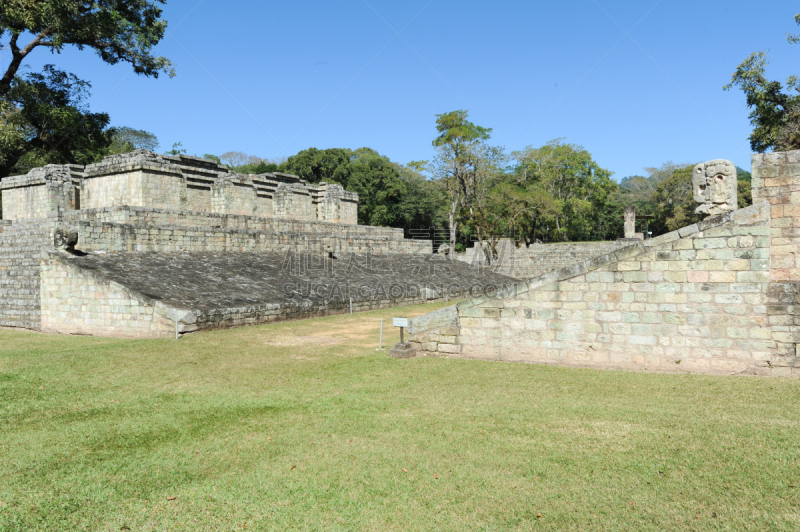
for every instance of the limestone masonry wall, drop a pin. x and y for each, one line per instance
(143, 294)
(527, 262)
(76, 302)
(695, 299)
(172, 217)
(145, 179)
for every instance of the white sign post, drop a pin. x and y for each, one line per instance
(402, 323)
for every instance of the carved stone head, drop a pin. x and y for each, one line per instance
(65, 238)
(714, 187)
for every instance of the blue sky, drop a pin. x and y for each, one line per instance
(637, 83)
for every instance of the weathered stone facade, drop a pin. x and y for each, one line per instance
(719, 296)
(133, 245)
(145, 179)
(527, 262)
(145, 294)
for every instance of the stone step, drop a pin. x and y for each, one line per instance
(8, 257)
(20, 311)
(16, 291)
(17, 273)
(17, 282)
(34, 325)
(21, 314)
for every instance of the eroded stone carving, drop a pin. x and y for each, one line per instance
(630, 222)
(714, 187)
(65, 238)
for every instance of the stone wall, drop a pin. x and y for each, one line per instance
(173, 217)
(145, 179)
(74, 301)
(526, 262)
(41, 191)
(103, 236)
(776, 180)
(142, 294)
(698, 299)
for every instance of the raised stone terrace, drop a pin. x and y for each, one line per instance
(146, 179)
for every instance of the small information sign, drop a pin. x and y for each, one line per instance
(400, 322)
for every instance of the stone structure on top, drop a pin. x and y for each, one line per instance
(714, 187)
(146, 179)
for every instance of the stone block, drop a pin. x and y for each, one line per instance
(404, 350)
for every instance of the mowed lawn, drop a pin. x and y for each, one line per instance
(306, 426)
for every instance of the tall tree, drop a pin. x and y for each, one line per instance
(313, 165)
(454, 161)
(117, 30)
(45, 120)
(574, 189)
(126, 139)
(775, 113)
(364, 171)
(422, 205)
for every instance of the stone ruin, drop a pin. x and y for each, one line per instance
(148, 245)
(719, 296)
(146, 179)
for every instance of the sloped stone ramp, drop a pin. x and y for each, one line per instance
(145, 294)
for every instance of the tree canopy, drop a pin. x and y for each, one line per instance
(775, 113)
(117, 30)
(390, 194)
(45, 120)
(561, 193)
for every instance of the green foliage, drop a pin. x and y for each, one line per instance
(674, 203)
(126, 139)
(45, 120)
(212, 157)
(372, 176)
(455, 130)
(177, 149)
(379, 187)
(313, 165)
(262, 167)
(117, 30)
(423, 204)
(744, 193)
(775, 114)
(559, 193)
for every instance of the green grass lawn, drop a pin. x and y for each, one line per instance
(305, 425)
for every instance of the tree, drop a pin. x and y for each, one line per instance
(453, 161)
(118, 30)
(177, 149)
(775, 114)
(364, 171)
(45, 120)
(422, 205)
(484, 172)
(674, 203)
(126, 139)
(313, 165)
(572, 191)
(234, 158)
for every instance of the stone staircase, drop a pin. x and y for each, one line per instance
(21, 243)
